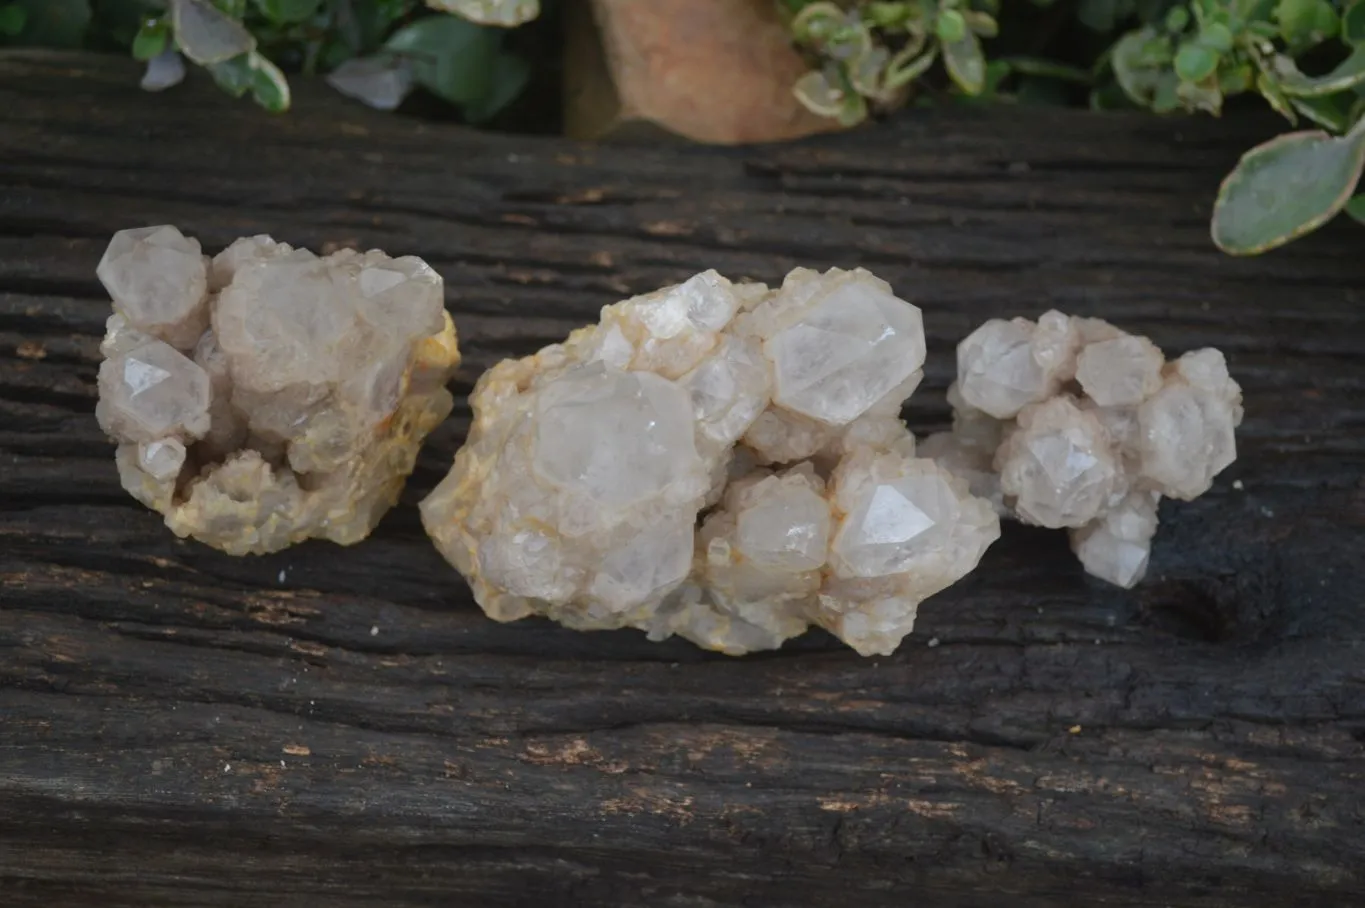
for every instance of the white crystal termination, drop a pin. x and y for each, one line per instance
(720, 461)
(268, 395)
(1070, 422)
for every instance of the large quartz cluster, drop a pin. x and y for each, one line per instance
(715, 460)
(268, 395)
(1070, 422)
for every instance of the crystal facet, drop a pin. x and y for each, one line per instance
(1078, 424)
(1058, 465)
(153, 392)
(158, 280)
(724, 462)
(614, 437)
(852, 345)
(270, 395)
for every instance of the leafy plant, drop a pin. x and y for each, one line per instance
(1196, 55)
(872, 52)
(1305, 58)
(374, 50)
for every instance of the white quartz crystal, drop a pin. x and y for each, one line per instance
(1074, 423)
(1005, 365)
(720, 461)
(158, 278)
(268, 395)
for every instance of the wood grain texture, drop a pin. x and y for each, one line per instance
(343, 727)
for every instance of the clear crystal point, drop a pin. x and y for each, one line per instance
(158, 280)
(852, 345)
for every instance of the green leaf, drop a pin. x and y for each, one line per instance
(1356, 208)
(889, 14)
(905, 68)
(1166, 96)
(234, 8)
(362, 27)
(866, 72)
(996, 72)
(12, 19)
(1350, 73)
(951, 26)
(1203, 95)
(334, 54)
(451, 57)
(965, 63)
(54, 23)
(1138, 68)
(382, 81)
(510, 75)
(1216, 36)
(1326, 112)
(1353, 23)
(497, 13)
(206, 34)
(234, 76)
(268, 85)
(849, 43)
(1177, 19)
(1285, 188)
(1270, 90)
(286, 12)
(983, 24)
(151, 39)
(817, 22)
(1305, 22)
(1234, 80)
(827, 93)
(1194, 62)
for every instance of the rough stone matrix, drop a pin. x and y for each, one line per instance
(268, 395)
(1070, 422)
(721, 461)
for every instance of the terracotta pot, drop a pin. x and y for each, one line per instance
(716, 71)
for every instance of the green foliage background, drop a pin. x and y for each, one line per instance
(459, 61)
(1305, 58)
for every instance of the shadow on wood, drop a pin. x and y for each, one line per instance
(343, 727)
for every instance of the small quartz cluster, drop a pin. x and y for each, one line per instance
(268, 395)
(720, 461)
(1071, 422)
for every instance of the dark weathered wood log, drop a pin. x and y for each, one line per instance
(344, 727)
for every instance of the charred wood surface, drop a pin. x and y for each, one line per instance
(343, 727)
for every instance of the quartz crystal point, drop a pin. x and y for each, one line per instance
(1070, 422)
(268, 395)
(720, 461)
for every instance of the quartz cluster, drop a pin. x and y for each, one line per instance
(720, 461)
(268, 395)
(1071, 422)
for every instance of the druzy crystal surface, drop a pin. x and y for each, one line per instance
(268, 395)
(720, 461)
(1071, 422)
